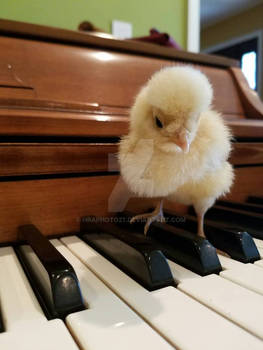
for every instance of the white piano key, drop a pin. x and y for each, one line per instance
(121, 327)
(228, 263)
(238, 304)
(180, 273)
(18, 302)
(186, 323)
(50, 335)
(259, 263)
(245, 275)
(248, 276)
(260, 250)
(26, 327)
(258, 242)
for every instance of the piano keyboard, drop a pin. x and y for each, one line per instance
(24, 323)
(220, 310)
(119, 310)
(107, 322)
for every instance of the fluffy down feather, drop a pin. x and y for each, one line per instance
(173, 109)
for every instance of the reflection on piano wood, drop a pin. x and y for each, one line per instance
(64, 102)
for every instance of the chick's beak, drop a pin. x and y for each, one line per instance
(182, 140)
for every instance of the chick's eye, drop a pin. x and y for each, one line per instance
(158, 122)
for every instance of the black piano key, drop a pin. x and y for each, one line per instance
(185, 248)
(255, 200)
(244, 220)
(59, 293)
(253, 208)
(238, 244)
(134, 254)
(2, 329)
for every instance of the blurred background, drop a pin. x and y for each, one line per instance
(231, 28)
(234, 29)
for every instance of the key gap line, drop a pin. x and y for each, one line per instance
(123, 300)
(218, 313)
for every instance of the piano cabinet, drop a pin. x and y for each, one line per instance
(64, 103)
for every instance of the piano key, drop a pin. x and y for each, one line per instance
(19, 305)
(50, 335)
(247, 275)
(204, 290)
(229, 264)
(259, 263)
(1, 323)
(238, 304)
(239, 245)
(179, 318)
(250, 207)
(248, 221)
(134, 254)
(186, 248)
(260, 250)
(193, 252)
(181, 273)
(259, 245)
(52, 277)
(236, 243)
(25, 325)
(255, 200)
(122, 328)
(258, 242)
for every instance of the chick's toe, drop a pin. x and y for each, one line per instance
(156, 215)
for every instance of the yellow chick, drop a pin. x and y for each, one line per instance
(177, 147)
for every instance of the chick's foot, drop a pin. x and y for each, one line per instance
(200, 221)
(156, 215)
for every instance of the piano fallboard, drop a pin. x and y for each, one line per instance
(64, 103)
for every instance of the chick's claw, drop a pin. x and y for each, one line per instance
(150, 217)
(156, 215)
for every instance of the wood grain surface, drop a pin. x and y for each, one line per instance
(43, 158)
(70, 37)
(57, 84)
(247, 153)
(252, 104)
(73, 75)
(21, 159)
(55, 205)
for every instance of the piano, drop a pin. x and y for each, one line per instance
(72, 274)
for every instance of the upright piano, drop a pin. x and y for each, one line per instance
(74, 276)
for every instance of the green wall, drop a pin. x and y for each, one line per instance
(166, 15)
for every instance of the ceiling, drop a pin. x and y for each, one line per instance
(213, 11)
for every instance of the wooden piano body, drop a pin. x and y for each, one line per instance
(64, 102)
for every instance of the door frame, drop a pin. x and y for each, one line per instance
(237, 40)
(193, 25)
